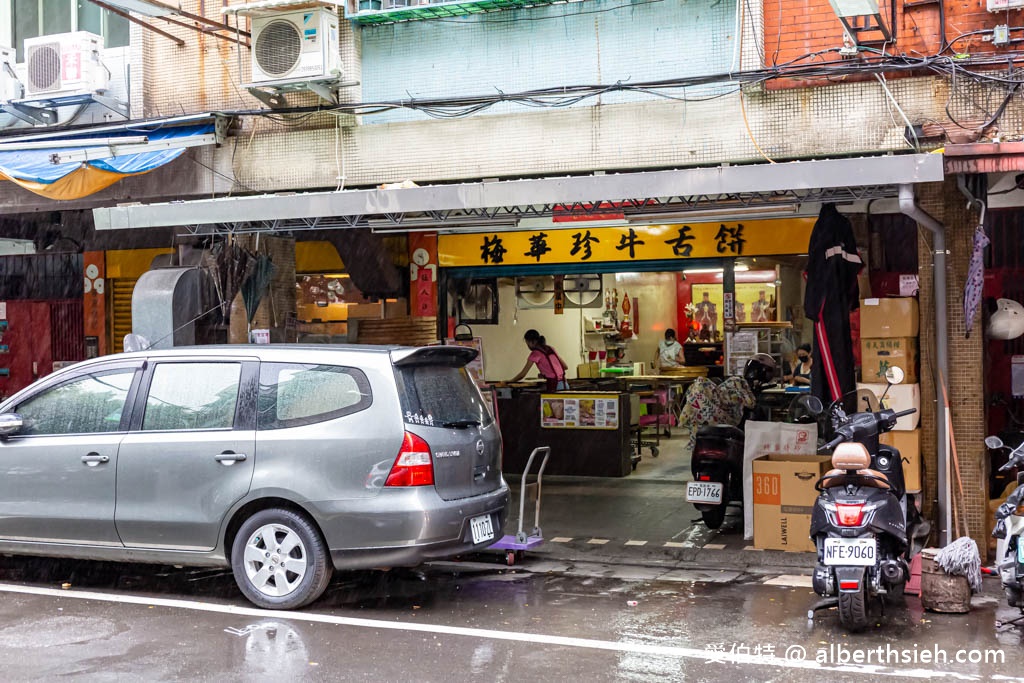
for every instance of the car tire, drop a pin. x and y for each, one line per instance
(279, 560)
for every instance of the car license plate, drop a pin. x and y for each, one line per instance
(481, 528)
(703, 492)
(850, 551)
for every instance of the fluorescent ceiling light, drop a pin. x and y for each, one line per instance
(715, 214)
(696, 271)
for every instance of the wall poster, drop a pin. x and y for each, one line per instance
(579, 411)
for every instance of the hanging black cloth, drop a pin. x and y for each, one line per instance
(831, 293)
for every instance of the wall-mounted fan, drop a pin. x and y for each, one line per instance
(583, 291)
(535, 291)
(478, 301)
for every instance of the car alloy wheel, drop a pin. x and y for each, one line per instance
(279, 559)
(275, 560)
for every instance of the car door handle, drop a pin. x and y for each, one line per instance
(94, 459)
(229, 458)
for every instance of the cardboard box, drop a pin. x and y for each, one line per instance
(588, 370)
(878, 354)
(892, 317)
(784, 498)
(899, 397)
(909, 446)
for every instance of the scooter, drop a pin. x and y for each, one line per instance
(717, 459)
(865, 526)
(1009, 531)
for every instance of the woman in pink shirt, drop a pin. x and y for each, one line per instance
(550, 365)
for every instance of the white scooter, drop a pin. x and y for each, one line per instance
(1009, 531)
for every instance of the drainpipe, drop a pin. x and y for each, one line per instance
(909, 207)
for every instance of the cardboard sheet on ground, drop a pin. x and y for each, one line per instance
(764, 438)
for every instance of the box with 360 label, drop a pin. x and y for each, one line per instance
(784, 496)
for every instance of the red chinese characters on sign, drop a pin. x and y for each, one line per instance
(423, 274)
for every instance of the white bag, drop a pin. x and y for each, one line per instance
(763, 438)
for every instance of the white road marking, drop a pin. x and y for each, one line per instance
(561, 539)
(673, 544)
(631, 542)
(598, 541)
(750, 547)
(714, 546)
(792, 580)
(513, 636)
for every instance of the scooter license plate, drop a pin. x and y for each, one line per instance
(849, 551)
(703, 492)
(481, 528)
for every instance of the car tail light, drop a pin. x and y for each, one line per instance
(849, 515)
(711, 452)
(413, 466)
(704, 477)
(849, 585)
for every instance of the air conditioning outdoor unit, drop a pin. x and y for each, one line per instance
(289, 47)
(10, 86)
(64, 64)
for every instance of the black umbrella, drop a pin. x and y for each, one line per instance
(832, 268)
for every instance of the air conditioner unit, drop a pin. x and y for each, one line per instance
(10, 86)
(1003, 5)
(290, 47)
(64, 64)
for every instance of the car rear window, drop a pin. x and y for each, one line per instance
(440, 394)
(295, 394)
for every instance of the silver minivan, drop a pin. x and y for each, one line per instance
(283, 462)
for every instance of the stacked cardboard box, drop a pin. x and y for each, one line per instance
(889, 330)
(784, 496)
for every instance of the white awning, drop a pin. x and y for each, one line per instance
(676, 190)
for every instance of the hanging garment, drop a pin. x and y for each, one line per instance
(831, 293)
(975, 277)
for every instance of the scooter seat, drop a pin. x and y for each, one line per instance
(840, 478)
(720, 431)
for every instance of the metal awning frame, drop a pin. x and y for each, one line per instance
(469, 205)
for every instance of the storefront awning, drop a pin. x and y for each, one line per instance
(77, 165)
(507, 202)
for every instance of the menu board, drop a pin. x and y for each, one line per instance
(475, 366)
(579, 411)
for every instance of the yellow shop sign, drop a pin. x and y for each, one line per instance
(578, 244)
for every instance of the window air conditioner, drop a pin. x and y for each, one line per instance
(290, 47)
(64, 64)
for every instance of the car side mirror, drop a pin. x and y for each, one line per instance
(10, 423)
(993, 442)
(895, 375)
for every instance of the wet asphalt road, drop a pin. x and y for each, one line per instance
(470, 621)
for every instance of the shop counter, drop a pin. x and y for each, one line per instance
(588, 431)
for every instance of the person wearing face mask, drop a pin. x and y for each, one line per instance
(800, 375)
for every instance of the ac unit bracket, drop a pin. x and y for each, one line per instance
(43, 111)
(274, 95)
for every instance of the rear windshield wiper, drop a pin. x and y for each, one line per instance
(461, 424)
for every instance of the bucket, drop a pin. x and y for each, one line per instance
(942, 592)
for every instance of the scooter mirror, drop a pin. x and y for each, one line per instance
(813, 405)
(993, 442)
(895, 375)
